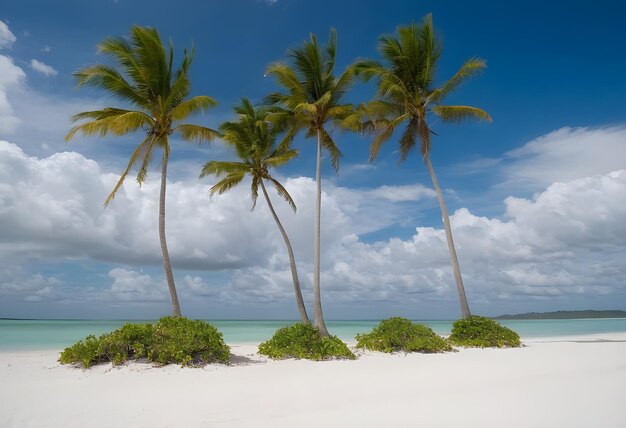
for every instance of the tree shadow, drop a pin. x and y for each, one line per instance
(242, 360)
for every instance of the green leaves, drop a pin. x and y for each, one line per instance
(400, 334)
(482, 332)
(172, 340)
(142, 75)
(196, 133)
(312, 93)
(460, 113)
(253, 137)
(405, 89)
(303, 341)
(199, 104)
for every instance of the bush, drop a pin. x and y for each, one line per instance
(170, 340)
(303, 341)
(131, 341)
(481, 332)
(85, 352)
(187, 342)
(399, 334)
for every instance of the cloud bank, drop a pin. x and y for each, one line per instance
(567, 241)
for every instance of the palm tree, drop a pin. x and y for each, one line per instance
(143, 79)
(254, 138)
(312, 97)
(407, 95)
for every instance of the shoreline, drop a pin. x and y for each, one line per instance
(544, 383)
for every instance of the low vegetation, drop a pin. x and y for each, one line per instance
(399, 334)
(303, 341)
(172, 340)
(481, 332)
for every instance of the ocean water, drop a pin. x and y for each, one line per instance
(18, 335)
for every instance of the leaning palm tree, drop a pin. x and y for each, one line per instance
(407, 95)
(312, 96)
(144, 80)
(253, 137)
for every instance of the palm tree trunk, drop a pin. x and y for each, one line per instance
(167, 265)
(292, 261)
(317, 300)
(465, 311)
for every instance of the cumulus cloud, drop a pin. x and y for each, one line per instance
(565, 242)
(11, 78)
(566, 154)
(52, 207)
(7, 38)
(42, 68)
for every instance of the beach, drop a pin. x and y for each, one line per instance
(572, 381)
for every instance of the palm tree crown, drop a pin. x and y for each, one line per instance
(406, 91)
(144, 79)
(253, 137)
(312, 92)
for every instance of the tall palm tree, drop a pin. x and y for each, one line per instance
(143, 79)
(312, 96)
(407, 95)
(253, 137)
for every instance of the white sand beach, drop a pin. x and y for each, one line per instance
(557, 382)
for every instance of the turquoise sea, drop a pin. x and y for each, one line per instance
(18, 335)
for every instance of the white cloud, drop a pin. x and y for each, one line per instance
(566, 154)
(566, 242)
(53, 207)
(46, 49)
(42, 68)
(11, 78)
(132, 286)
(7, 38)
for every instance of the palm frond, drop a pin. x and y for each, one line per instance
(409, 138)
(470, 68)
(109, 79)
(280, 157)
(384, 129)
(332, 149)
(231, 180)
(219, 168)
(193, 105)
(283, 193)
(196, 133)
(110, 121)
(254, 190)
(140, 152)
(460, 113)
(367, 69)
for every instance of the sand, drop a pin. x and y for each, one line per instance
(556, 382)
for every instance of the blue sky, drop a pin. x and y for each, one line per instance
(554, 87)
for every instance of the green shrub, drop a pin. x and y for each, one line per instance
(481, 332)
(131, 341)
(85, 352)
(170, 340)
(303, 341)
(187, 342)
(399, 334)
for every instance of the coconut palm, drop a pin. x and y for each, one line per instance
(407, 95)
(253, 137)
(312, 96)
(144, 80)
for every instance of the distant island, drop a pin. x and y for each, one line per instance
(563, 315)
